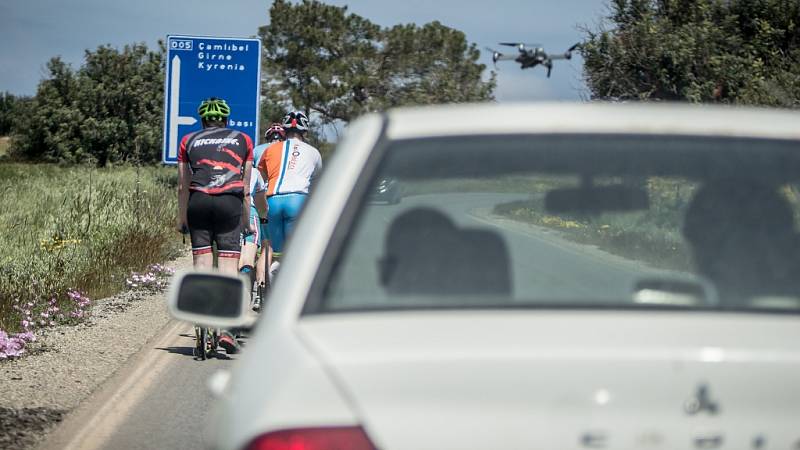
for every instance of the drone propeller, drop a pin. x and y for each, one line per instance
(571, 49)
(497, 56)
(517, 44)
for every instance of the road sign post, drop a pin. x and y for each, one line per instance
(202, 67)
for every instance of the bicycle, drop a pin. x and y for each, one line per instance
(206, 342)
(206, 339)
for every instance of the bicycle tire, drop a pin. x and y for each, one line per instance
(200, 343)
(211, 343)
(214, 341)
(261, 292)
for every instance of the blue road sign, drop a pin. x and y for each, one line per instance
(202, 67)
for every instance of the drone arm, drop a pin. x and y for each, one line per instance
(502, 57)
(568, 53)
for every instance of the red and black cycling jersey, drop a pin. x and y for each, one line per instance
(217, 157)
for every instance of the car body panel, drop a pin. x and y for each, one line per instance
(338, 369)
(592, 118)
(290, 388)
(542, 379)
(287, 386)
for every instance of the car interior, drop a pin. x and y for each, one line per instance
(598, 223)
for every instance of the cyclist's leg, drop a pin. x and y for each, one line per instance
(250, 244)
(227, 232)
(276, 217)
(261, 265)
(199, 213)
(292, 208)
(228, 237)
(265, 254)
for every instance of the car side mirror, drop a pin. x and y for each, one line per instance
(210, 299)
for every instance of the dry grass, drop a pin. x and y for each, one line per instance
(5, 142)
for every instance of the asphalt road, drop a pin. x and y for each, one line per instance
(160, 399)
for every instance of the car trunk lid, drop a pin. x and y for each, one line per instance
(566, 379)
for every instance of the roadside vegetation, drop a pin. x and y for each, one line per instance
(741, 52)
(537, 185)
(72, 234)
(653, 235)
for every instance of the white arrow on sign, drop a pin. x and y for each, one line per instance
(175, 119)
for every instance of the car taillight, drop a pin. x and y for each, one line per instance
(321, 438)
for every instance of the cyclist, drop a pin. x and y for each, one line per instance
(214, 166)
(251, 242)
(275, 133)
(289, 168)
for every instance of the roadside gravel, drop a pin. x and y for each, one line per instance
(67, 363)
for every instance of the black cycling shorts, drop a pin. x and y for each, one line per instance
(215, 218)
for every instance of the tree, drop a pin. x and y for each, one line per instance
(121, 95)
(322, 59)
(48, 131)
(108, 111)
(9, 105)
(726, 51)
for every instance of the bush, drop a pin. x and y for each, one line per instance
(734, 51)
(108, 111)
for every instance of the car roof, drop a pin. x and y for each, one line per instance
(592, 118)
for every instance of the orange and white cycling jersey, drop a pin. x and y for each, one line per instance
(290, 167)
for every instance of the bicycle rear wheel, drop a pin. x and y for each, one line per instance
(200, 338)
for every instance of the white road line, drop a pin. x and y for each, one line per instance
(99, 428)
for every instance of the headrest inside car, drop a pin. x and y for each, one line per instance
(427, 254)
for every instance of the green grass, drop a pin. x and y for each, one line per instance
(79, 228)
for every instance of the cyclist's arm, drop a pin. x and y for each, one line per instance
(247, 173)
(261, 203)
(184, 178)
(260, 193)
(261, 166)
(248, 166)
(316, 172)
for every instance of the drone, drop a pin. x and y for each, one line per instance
(531, 55)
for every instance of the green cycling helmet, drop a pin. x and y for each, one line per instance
(214, 109)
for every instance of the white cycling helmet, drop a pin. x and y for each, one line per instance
(295, 120)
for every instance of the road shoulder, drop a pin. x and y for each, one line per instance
(69, 363)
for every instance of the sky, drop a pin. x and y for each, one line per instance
(33, 31)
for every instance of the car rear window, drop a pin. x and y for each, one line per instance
(574, 221)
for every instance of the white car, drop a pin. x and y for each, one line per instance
(557, 276)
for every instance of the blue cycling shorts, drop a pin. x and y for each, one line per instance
(284, 209)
